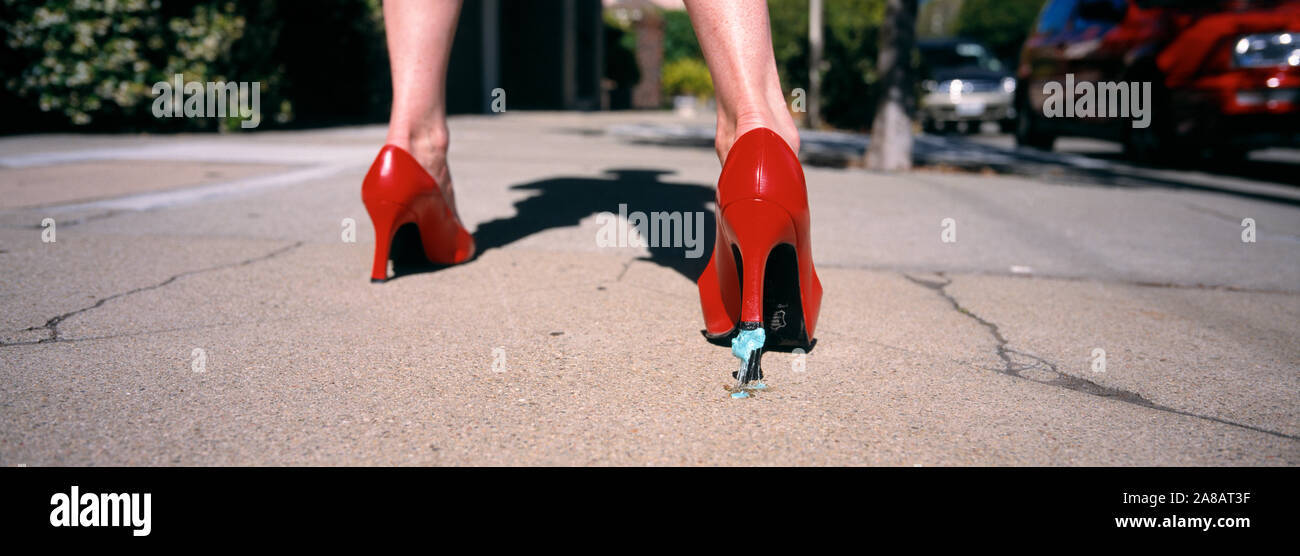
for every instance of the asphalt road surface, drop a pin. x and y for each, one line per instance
(199, 305)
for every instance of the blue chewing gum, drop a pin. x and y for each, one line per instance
(748, 347)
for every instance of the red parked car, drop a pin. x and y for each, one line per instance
(1224, 75)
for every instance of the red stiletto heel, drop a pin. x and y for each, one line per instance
(398, 191)
(760, 289)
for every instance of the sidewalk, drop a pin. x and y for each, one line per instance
(549, 349)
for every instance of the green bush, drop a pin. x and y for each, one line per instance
(687, 76)
(97, 59)
(91, 64)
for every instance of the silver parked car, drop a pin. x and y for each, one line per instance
(964, 86)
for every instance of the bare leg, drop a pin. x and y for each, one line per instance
(420, 33)
(737, 44)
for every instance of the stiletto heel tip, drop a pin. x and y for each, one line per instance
(748, 347)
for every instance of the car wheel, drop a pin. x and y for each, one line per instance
(1155, 143)
(1029, 131)
(1007, 126)
(1152, 144)
(1144, 145)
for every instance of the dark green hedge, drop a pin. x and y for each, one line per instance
(91, 64)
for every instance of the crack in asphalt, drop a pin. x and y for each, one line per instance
(1014, 363)
(193, 328)
(1035, 275)
(52, 325)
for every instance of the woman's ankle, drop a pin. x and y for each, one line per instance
(733, 124)
(428, 146)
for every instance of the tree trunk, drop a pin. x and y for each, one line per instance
(891, 131)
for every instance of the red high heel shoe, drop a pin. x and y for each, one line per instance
(760, 289)
(399, 191)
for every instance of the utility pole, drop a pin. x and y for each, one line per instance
(815, 43)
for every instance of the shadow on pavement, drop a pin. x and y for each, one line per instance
(1261, 170)
(838, 149)
(1105, 169)
(565, 201)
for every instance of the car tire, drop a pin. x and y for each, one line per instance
(1155, 143)
(1029, 132)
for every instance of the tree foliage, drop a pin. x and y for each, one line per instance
(938, 18)
(1003, 25)
(679, 37)
(848, 61)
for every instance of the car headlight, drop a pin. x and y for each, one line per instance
(1265, 50)
(1009, 84)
